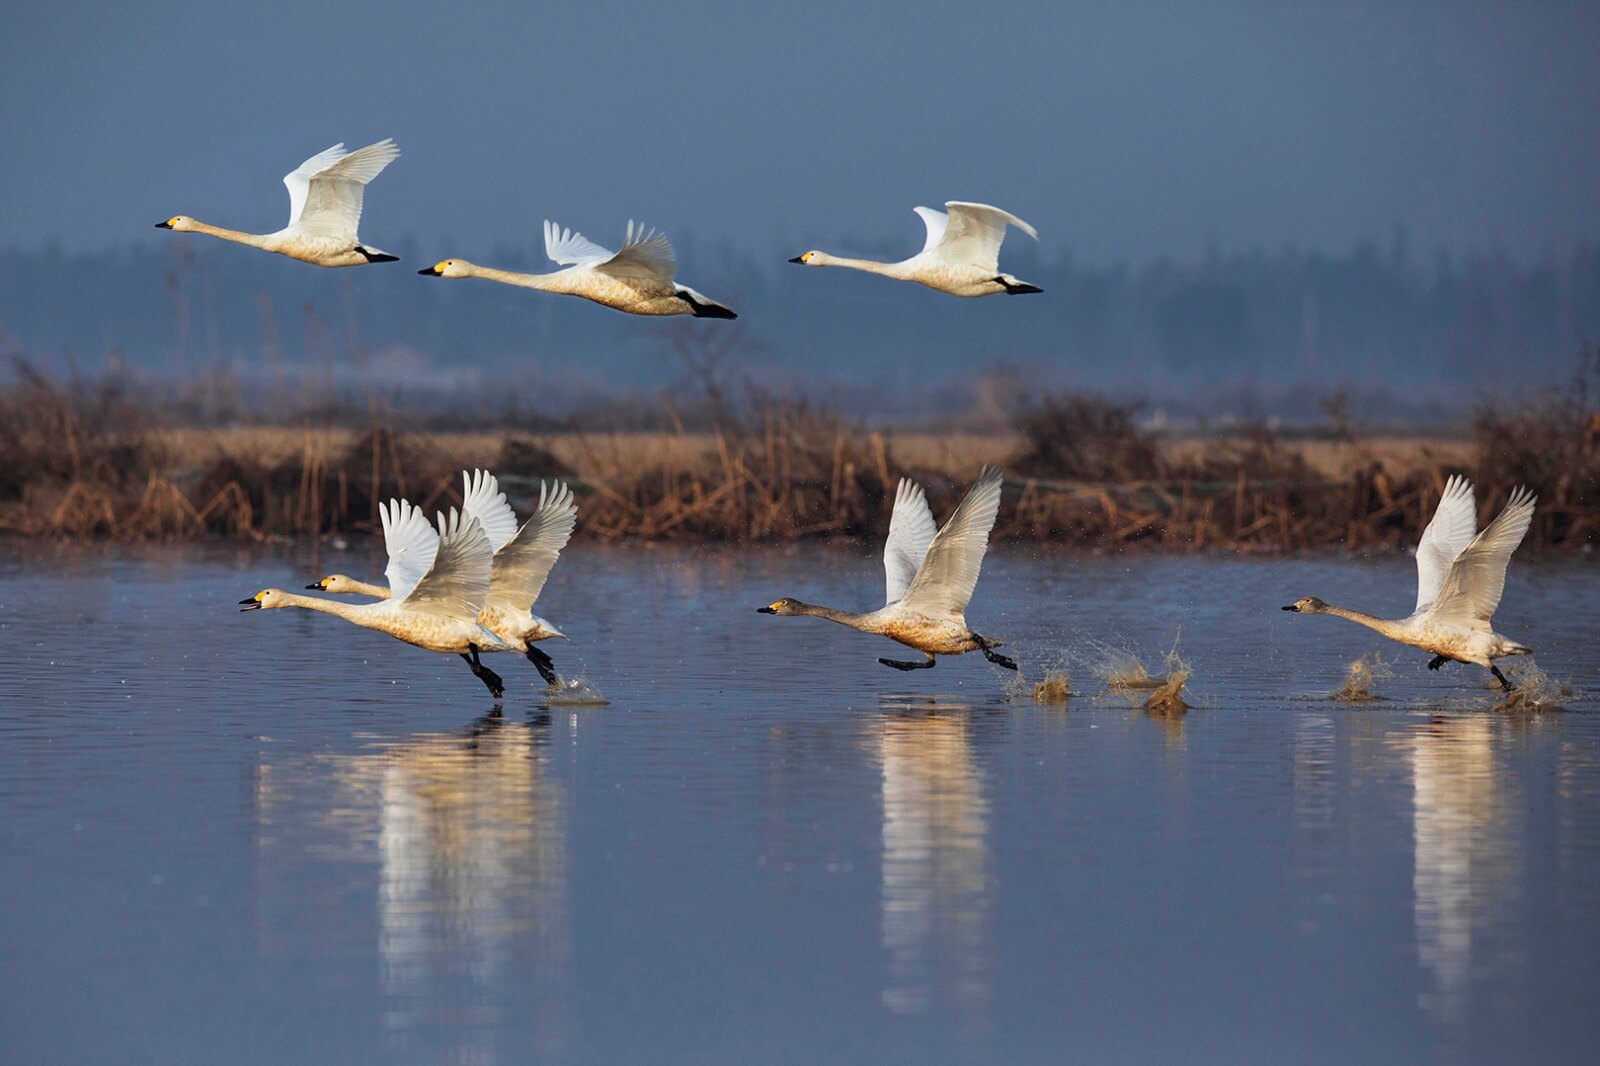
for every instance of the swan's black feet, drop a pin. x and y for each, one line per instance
(1436, 662)
(898, 665)
(998, 659)
(1017, 288)
(497, 687)
(1495, 670)
(542, 663)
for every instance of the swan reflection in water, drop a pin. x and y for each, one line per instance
(1464, 878)
(936, 882)
(468, 834)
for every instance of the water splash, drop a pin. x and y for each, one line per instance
(1167, 697)
(574, 692)
(1535, 691)
(1360, 681)
(1055, 689)
(1125, 673)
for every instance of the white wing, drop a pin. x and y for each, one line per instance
(911, 530)
(298, 180)
(945, 581)
(571, 248)
(645, 255)
(482, 499)
(1472, 588)
(457, 583)
(972, 234)
(1454, 524)
(521, 567)
(935, 221)
(412, 545)
(331, 206)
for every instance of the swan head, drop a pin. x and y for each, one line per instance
(812, 259)
(783, 606)
(336, 583)
(1307, 605)
(177, 222)
(264, 599)
(448, 268)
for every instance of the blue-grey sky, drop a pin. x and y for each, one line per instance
(1122, 130)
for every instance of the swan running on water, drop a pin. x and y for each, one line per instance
(325, 195)
(1460, 577)
(929, 577)
(961, 255)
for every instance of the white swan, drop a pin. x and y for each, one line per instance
(433, 606)
(636, 279)
(929, 577)
(961, 256)
(523, 559)
(1460, 577)
(324, 210)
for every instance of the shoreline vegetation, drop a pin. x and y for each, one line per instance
(83, 459)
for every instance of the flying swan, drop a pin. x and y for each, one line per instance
(324, 210)
(1460, 577)
(929, 577)
(636, 279)
(961, 256)
(434, 605)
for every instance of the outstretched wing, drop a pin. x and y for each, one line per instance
(298, 180)
(412, 545)
(457, 584)
(571, 248)
(1477, 578)
(331, 206)
(911, 530)
(945, 581)
(936, 222)
(972, 234)
(644, 256)
(482, 499)
(1454, 524)
(521, 567)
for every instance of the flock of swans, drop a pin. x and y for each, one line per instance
(466, 584)
(961, 255)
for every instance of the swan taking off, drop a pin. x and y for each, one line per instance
(929, 577)
(961, 256)
(434, 605)
(1460, 577)
(636, 279)
(324, 210)
(523, 559)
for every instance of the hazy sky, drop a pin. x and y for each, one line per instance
(1122, 130)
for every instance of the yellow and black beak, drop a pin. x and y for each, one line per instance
(437, 270)
(770, 608)
(318, 585)
(252, 604)
(164, 225)
(1292, 607)
(798, 259)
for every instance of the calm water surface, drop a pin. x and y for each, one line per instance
(270, 837)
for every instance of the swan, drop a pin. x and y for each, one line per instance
(324, 209)
(929, 577)
(961, 256)
(636, 279)
(523, 559)
(433, 605)
(1460, 577)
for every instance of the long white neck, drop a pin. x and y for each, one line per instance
(845, 618)
(264, 241)
(359, 613)
(556, 282)
(1390, 628)
(870, 266)
(362, 588)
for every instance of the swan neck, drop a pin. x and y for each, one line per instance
(1382, 625)
(542, 282)
(254, 240)
(352, 612)
(870, 266)
(362, 588)
(844, 618)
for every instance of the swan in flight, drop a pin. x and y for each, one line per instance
(929, 577)
(433, 604)
(1460, 577)
(324, 210)
(961, 256)
(636, 279)
(523, 558)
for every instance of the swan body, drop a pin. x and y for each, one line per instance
(434, 607)
(1461, 576)
(929, 575)
(637, 279)
(325, 194)
(961, 255)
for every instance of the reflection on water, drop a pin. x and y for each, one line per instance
(1464, 878)
(469, 836)
(936, 890)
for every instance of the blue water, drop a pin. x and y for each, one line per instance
(270, 837)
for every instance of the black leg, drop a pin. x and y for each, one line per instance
(1495, 670)
(898, 665)
(497, 687)
(1436, 662)
(993, 656)
(541, 662)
